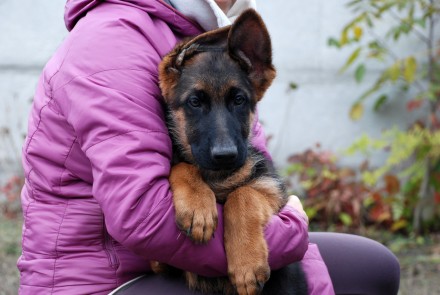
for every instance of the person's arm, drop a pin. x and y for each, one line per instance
(119, 121)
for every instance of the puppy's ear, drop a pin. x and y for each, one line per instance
(168, 76)
(170, 67)
(249, 43)
(212, 40)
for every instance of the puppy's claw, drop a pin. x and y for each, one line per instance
(260, 286)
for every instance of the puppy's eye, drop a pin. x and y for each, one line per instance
(195, 102)
(239, 100)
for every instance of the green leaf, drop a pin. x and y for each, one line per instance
(396, 35)
(293, 86)
(405, 28)
(409, 72)
(381, 100)
(359, 73)
(368, 201)
(421, 22)
(398, 225)
(411, 13)
(346, 219)
(354, 55)
(311, 212)
(306, 184)
(360, 145)
(333, 42)
(354, 2)
(356, 112)
(383, 9)
(368, 20)
(310, 172)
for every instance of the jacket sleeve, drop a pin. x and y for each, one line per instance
(119, 122)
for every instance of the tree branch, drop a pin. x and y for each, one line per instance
(419, 34)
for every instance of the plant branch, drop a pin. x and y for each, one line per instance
(419, 34)
(424, 188)
(382, 43)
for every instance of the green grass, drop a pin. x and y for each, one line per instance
(10, 249)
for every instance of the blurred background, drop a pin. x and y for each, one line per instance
(352, 119)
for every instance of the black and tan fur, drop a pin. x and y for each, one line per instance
(211, 85)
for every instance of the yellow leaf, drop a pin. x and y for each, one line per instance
(344, 38)
(399, 225)
(357, 32)
(356, 112)
(410, 69)
(394, 71)
(354, 55)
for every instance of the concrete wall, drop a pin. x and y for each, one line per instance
(30, 31)
(316, 112)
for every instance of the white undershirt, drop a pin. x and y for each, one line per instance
(208, 14)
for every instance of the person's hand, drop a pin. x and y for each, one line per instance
(296, 204)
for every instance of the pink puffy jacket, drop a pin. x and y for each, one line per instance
(96, 203)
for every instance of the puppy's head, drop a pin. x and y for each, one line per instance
(211, 85)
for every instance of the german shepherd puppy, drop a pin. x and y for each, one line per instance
(211, 85)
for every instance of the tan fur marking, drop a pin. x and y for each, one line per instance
(261, 83)
(157, 267)
(269, 187)
(192, 280)
(179, 128)
(162, 268)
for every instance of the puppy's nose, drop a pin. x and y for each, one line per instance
(224, 154)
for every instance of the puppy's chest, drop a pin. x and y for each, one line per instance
(257, 173)
(223, 186)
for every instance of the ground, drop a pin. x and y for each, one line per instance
(419, 259)
(420, 270)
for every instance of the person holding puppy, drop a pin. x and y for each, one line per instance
(97, 204)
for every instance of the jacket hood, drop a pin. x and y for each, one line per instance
(76, 9)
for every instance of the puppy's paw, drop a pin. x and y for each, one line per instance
(197, 216)
(158, 267)
(249, 279)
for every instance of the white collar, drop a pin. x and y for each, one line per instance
(208, 14)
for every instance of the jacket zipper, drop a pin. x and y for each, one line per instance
(110, 249)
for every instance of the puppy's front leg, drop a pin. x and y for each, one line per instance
(246, 212)
(194, 202)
